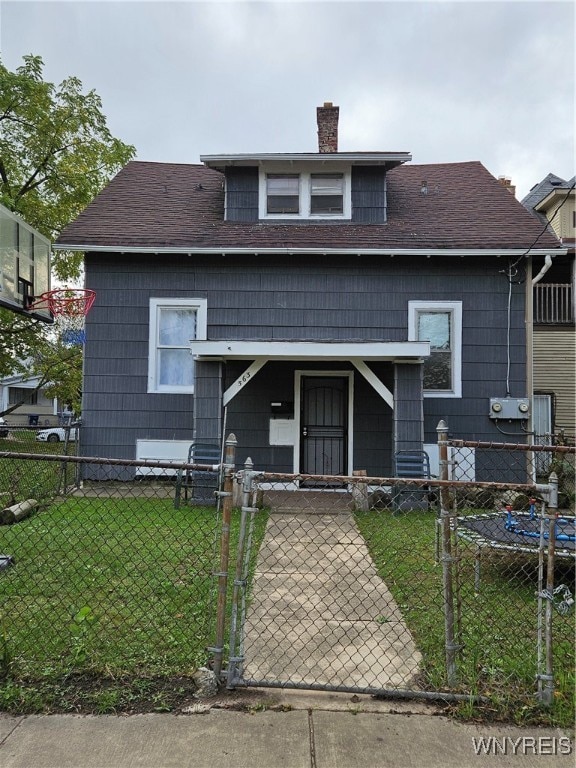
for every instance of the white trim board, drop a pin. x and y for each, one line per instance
(307, 350)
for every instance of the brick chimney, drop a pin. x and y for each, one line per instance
(327, 119)
(506, 182)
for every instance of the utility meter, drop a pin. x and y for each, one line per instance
(509, 408)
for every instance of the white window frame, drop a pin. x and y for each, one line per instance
(200, 306)
(455, 310)
(305, 192)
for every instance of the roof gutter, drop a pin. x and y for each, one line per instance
(308, 251)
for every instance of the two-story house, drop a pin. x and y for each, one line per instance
(552, 202)
(327, 307)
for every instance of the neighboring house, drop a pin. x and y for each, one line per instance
(36, 408)
(339, 305)
(552, 202)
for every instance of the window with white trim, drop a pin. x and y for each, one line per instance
(440, 323)
(326, 193)
(305, 195)
(173, 324)
(283, 193)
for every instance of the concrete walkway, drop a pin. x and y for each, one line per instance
(319, 612)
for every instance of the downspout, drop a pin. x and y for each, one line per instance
(545, 268)
(530, 354)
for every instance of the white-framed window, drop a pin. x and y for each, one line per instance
(283, 194)
(326, 194)
(440, 323)
(173, 324)
(305, 195)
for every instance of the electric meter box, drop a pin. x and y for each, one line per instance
(509, 408)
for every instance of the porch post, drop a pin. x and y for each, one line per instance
(207, 417)
(408, 407)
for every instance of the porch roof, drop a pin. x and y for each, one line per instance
(310, 350)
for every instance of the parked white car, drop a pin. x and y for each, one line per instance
(56, 434)
(3, 427)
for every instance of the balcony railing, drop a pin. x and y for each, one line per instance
(553, 303)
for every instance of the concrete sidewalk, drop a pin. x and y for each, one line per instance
(321, 731)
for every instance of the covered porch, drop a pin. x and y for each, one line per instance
(325, 408)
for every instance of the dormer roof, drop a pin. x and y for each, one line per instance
(387, 160)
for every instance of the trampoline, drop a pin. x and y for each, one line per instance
(515, 531)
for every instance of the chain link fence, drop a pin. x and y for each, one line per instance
(514, 567)
(102, 577)
(416, 587)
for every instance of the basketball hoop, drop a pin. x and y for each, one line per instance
(69, 306)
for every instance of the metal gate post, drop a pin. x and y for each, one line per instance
(446, 557)
(229, 462)
(548, 688)
(240, 575)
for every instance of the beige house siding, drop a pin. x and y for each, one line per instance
(554, 371)
(567, 222)
(560, 213)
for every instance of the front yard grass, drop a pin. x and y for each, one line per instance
(107, 590)
(497, 628)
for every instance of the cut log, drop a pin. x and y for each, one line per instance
(17, 512)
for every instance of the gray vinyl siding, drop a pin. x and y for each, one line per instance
(368, 195)
(373, 428)
(297, 298)
(207, 424)
(408, 432)
(242, 194)
(249, 414)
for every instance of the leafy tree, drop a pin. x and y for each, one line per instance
(59, 369)
(56, 152)
(19, 337)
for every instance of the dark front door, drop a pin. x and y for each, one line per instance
(323, 421)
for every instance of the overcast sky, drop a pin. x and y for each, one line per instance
(446, 81)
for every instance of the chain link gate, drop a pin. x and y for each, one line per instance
(314, 605)
(338, 587)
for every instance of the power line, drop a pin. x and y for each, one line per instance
(548, 223)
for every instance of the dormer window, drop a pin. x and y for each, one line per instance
(305, 195)
(326, 193)
(283, 193)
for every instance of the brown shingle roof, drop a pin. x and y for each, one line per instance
(166, 205)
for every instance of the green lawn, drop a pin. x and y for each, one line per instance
(119, 587)
(497, 626)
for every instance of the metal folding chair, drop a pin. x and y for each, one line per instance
(411, 464)
(199, 485)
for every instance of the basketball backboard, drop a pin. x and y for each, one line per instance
(24, 265)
